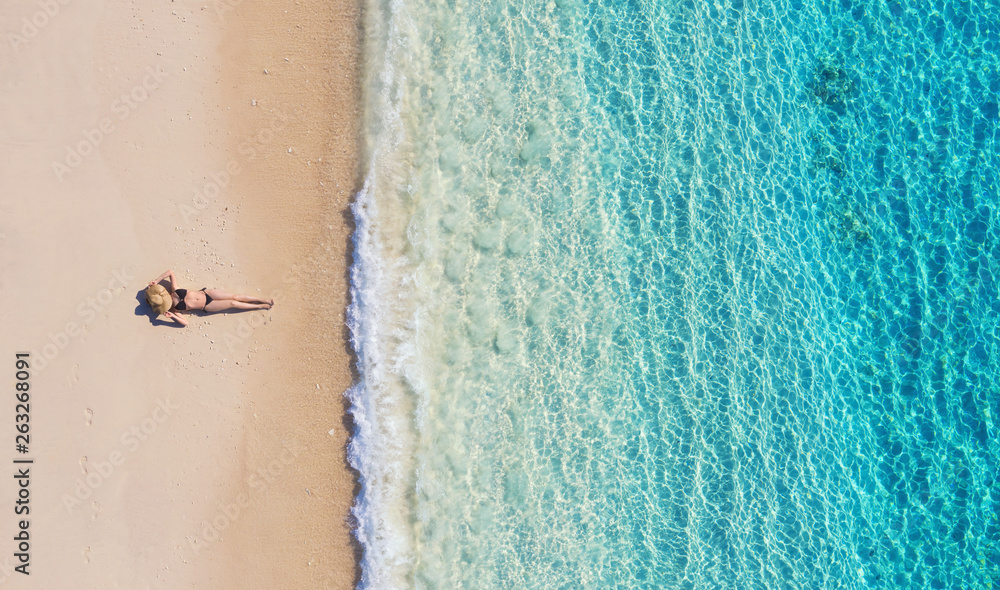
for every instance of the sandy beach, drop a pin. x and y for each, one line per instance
(219, 140)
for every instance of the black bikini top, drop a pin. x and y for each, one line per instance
(181, 294)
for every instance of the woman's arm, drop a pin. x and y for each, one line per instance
(172, 282)
(176, 317)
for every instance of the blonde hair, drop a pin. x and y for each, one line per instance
(159, 299)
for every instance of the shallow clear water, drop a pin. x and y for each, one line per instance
(679, 295)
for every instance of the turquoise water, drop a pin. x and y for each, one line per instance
(679, 295)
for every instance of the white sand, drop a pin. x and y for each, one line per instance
(167, 457)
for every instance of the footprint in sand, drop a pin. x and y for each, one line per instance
(83, 464)
(86, 554)
(97, 510)
(88, 416)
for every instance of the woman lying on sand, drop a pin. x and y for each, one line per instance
(167, 301)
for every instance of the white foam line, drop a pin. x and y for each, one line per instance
(381, 448)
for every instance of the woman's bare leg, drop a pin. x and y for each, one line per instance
(224, 304)
(224, 295)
